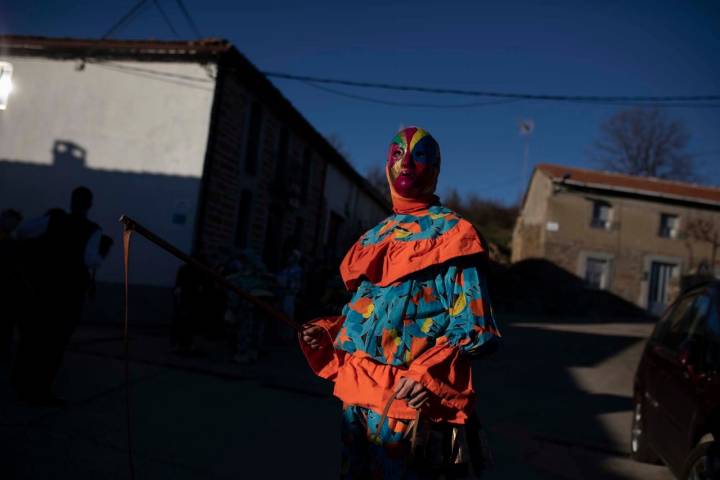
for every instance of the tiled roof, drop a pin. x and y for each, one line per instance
(634, 184)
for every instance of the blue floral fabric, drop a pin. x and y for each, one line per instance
(395, 324)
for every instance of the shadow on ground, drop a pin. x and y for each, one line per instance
(560, 394)
(539, 287)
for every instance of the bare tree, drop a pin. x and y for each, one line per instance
(702, 230)
(454, 201)
(645, 142)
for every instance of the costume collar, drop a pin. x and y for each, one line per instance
(406, 243)
(402, 205)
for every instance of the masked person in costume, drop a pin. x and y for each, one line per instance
(406, 339)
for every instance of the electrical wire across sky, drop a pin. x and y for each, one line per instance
(492, 98)
(669, 100)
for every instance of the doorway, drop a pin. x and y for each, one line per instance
(659, 291)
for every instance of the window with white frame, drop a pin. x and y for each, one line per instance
(597, 272)
(668, 225)
(601, 215)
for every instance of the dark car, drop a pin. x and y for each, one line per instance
(677, 388)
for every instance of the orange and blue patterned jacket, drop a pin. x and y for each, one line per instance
(420, 309)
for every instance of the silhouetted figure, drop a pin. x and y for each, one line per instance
(251, 275)
(290, 280)
(9, 221)
(188, 295)
(62, 250)
(11, 285)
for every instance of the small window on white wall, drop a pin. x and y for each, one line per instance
(6, 85)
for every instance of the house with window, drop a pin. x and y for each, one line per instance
(636, 237)
(187, 137)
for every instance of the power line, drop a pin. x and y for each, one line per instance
(167, 77)
(681, 101)
(153, 72)
(125, 19)
(189, 18)
(497, 101)
(407, 104)
(166, 18)
(494, 102)
(504, 95)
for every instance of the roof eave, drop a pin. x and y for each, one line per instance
(634, 191)
(68, 48)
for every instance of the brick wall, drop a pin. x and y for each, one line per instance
(222, 177)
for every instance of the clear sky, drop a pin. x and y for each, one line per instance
(555, 47)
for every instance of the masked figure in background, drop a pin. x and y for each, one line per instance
(404, 342)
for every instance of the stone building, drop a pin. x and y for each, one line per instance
(636, 237)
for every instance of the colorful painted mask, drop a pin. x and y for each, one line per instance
(413, 163)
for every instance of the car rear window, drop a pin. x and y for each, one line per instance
(681, 321)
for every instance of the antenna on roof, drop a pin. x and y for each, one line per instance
(526, 127)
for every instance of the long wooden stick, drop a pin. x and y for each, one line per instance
(134, 226)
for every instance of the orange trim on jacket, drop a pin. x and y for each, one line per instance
(360, 380)
(390, 260)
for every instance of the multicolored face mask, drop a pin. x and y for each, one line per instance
(413, 163)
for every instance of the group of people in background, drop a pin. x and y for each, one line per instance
(47, 269)
(47, 272)
(205, 308)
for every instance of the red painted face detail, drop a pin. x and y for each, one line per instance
(413, 163)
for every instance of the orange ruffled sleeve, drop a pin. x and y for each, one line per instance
(443, 369)
(324, 361)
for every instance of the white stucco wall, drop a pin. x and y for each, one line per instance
(144, 137)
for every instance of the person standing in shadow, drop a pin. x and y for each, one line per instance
(63, 249)
(10, 283)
